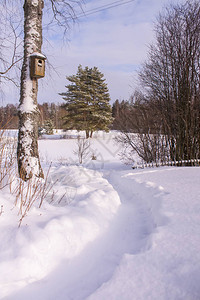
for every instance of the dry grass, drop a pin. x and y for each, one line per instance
(34, 191)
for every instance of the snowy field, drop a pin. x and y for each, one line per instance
(105, 231)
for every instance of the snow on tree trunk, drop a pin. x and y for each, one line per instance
(27, 151)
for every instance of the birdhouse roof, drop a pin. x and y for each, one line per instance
(37, 54)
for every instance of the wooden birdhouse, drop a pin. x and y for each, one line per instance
(37, 65)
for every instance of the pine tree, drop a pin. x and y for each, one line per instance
(87, 98)
(48, 126)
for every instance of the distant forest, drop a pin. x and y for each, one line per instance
(55, 113)
(48, 111)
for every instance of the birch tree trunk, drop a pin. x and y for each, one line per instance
(27, 150)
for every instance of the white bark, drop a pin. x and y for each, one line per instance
(28, 156)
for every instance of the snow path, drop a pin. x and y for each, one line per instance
(130, 232)
(170, 269)
(126, 235)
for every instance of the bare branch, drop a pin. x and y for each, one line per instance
(12, 64)
(10, 43)
(64, 12)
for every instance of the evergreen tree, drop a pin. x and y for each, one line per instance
(48, 126)
(87, 102)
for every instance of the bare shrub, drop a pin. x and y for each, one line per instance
(83, 149)
(7, 160)
(29, 192)
(150, 148)
(142, 134)
(1, 211)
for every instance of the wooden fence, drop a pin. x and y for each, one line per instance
(181, 163)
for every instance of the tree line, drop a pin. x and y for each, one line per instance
(57, 114)
(47, 111)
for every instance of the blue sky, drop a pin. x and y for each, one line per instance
(114, 40)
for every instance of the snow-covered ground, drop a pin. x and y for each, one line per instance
(104, 232)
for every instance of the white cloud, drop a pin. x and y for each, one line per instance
(115, 45)
(114, 40)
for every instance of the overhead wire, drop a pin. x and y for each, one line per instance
(102, 8)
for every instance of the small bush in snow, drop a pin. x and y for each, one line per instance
(83, 149)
